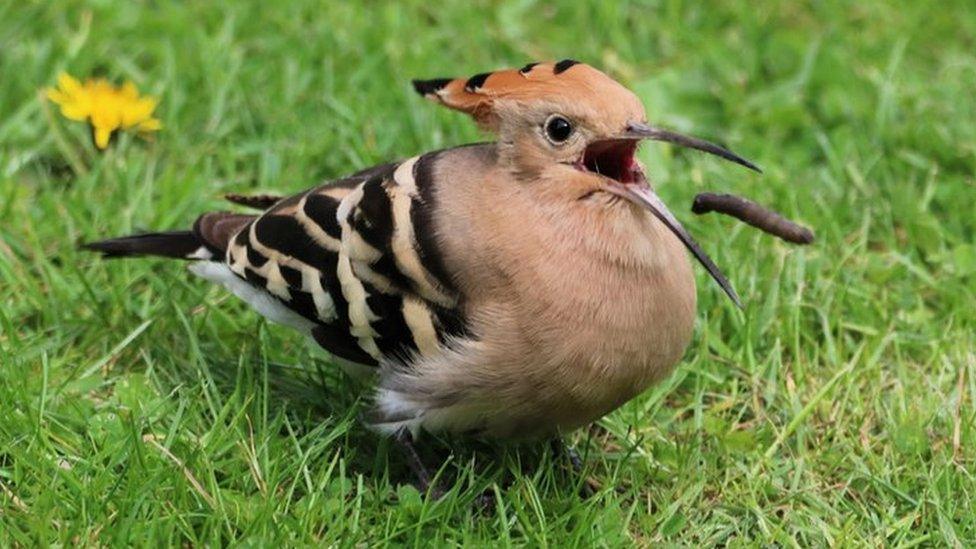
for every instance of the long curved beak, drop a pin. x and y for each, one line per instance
(640, 193)
(639, 130)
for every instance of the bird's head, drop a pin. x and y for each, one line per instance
(569, 124)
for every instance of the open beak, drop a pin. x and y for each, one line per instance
(640, 193)
(614, 159)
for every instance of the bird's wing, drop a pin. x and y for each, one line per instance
(358, 259)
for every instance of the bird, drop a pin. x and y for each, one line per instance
(513, 289)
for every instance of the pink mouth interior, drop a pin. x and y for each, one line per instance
(612, 158)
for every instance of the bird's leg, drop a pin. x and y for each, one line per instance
(560, 449)
(574, 458)
(425, 480)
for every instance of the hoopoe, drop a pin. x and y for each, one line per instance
(513, 289)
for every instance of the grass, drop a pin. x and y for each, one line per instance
(141, 406)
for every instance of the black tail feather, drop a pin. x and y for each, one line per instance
(177, 244)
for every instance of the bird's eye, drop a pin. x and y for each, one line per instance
(558, 129)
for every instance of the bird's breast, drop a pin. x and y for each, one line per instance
(577, 305)
(605, 330)
(630, 324)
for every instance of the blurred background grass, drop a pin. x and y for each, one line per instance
(140, 406)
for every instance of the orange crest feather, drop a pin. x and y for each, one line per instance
(476, 95)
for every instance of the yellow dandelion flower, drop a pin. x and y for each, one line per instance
(106, 107)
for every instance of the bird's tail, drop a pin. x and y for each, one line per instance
(175, 244)
(208, 239)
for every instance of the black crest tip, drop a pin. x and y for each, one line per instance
(564, 65)
(476, 81)
(430, 87)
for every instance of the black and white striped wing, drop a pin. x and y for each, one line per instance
(357, 259)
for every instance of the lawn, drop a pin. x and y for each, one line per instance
(141, 406)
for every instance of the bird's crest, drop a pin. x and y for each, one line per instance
(477, 95)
